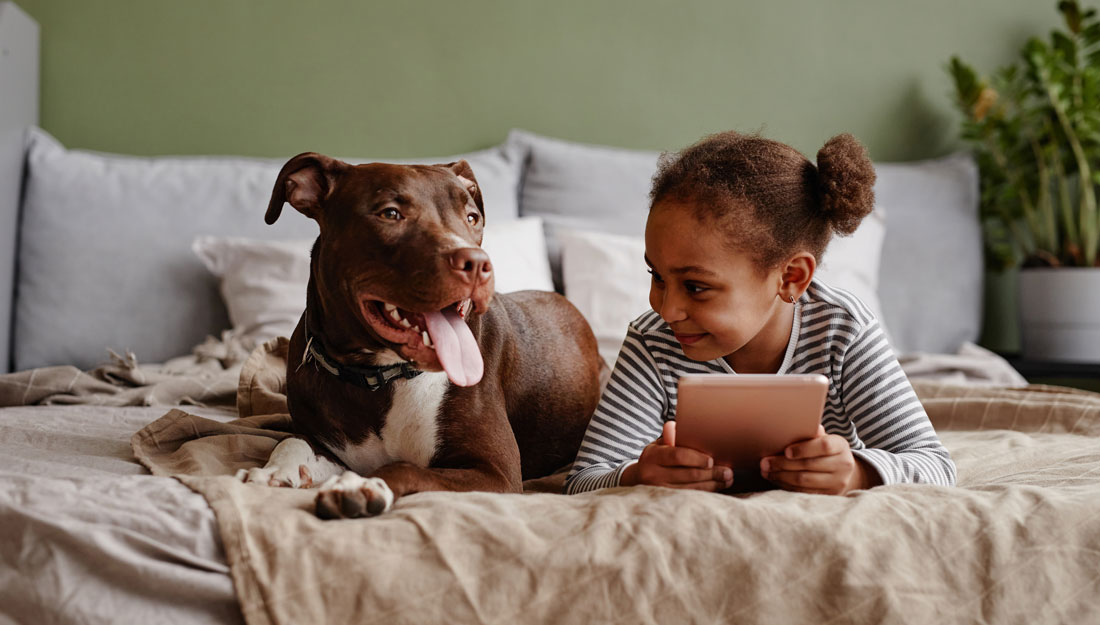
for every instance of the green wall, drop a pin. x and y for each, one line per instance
(415, 78)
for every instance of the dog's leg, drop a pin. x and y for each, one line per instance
(352, 496)
(489, 458)
(293, 464)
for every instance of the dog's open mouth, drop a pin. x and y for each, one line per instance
(439, 336)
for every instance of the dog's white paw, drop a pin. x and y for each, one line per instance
(293, 476)
(351, 496)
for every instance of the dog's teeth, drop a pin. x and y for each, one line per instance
(396, 316)
(416, 329)
(427, 339)
(405, 323)
(390, 307)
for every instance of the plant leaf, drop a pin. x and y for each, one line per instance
(967, 86)
(1063, 44)
(1072, 14)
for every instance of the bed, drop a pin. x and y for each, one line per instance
(147, 299)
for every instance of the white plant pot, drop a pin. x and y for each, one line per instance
(1060, 314)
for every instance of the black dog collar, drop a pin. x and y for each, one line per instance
(370, 378)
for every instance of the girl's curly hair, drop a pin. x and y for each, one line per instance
(766, 195)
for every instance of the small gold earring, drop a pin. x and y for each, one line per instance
(791, 298)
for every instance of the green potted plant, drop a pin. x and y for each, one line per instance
(1035, 129)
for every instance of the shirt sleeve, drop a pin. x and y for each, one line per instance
(630, 415)
(899, 440)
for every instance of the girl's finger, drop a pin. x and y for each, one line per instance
(681, 457)
(680, 476)
(806, 480)
(674, 476)
(821, 446)
(708, 485)
(822, 464)
(669, 433)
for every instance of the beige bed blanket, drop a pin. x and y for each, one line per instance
(207, 377)
(1017, 542)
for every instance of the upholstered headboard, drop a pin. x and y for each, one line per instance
(105, 257)
(18, 111)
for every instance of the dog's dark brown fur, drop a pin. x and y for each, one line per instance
(526, 416)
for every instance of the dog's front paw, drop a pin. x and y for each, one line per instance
(292, 476)
(350, 496)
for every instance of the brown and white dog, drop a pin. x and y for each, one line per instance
(401, 376)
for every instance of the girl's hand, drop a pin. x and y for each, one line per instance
(676, 467)
(823, 464)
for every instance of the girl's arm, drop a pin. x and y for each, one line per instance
(630, 415)
(900, 442)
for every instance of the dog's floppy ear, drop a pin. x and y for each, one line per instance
(465, 173)
(305, 181)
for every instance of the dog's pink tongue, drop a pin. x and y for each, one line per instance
(455, 346)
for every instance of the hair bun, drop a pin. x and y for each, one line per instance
(846, 177)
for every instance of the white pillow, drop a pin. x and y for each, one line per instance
(605, 276)
(263, 283)
(852, 263)
(517, 250)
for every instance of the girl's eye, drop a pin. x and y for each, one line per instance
(473, 218)
(656, 276)
(392, 214)
(694, 289)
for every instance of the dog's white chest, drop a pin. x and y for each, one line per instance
(411, 430)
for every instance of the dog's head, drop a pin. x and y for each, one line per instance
(399, 247)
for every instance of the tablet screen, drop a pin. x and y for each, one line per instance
(739, 419)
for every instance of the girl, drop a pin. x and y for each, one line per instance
(736, 226)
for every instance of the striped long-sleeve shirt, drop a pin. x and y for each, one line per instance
(870, 401)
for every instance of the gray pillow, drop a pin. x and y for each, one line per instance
(932, 271)
(105, 256)
(576, 186)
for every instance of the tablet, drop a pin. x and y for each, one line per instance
(739, 419)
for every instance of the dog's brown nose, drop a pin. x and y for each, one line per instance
(472, 264)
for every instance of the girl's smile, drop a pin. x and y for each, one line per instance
(689, 339)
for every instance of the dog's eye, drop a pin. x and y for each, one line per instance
(391, 213)
(473, 218)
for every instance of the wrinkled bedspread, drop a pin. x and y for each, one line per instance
(86, 534)
(1018, 541)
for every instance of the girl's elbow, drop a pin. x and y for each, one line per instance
(950, 471)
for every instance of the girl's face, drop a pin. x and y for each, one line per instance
(716, 301)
